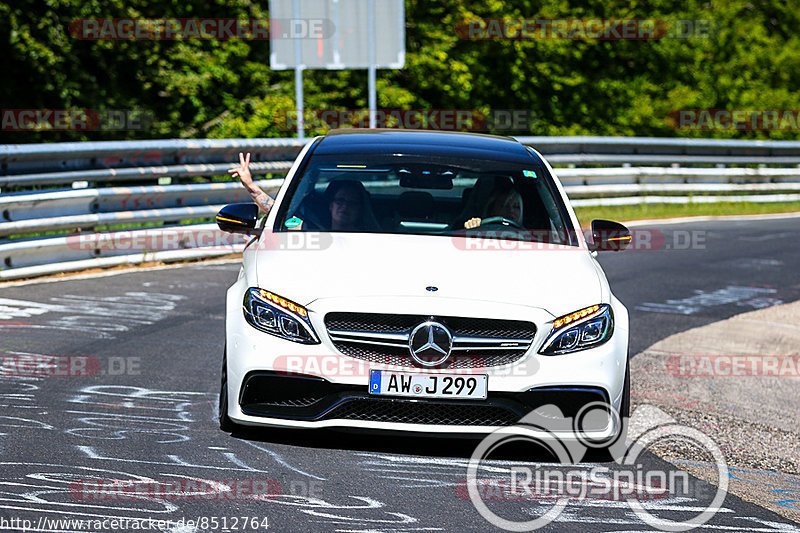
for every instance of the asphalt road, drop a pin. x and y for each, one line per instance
(144, 408)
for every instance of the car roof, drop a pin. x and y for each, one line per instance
(424, 143)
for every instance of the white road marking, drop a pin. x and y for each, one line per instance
(280, 460)
(746, 296)
(100, 317)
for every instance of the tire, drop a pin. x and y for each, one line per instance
(225, 423)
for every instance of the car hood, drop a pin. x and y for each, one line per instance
(329, 265)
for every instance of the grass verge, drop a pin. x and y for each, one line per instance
(624, 213)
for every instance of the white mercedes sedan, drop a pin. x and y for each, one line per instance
(430, 282)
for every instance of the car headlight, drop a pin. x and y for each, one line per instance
(278, 316)
(592, 327)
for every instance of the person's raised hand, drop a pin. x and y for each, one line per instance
(243, 171)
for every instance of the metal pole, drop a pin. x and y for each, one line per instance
(298, 73)
(373, 104)
(298, 96)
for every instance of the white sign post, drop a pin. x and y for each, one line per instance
(337, 35)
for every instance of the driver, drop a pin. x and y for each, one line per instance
(503, 203)
(347, 200)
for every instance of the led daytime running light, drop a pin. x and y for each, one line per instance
(283, 302)
(577, 315)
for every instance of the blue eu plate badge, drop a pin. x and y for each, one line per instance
(375, 381)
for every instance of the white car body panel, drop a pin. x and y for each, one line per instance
(403, 265)
(388, 273)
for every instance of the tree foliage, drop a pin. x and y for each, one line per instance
(225, 88)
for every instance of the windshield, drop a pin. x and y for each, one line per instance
(425, 195)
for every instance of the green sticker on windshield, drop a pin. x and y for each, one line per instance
(529, 173)
(293, 223)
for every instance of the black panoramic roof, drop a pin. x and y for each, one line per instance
(422, 142)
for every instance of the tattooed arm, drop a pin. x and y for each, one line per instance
(262, 199)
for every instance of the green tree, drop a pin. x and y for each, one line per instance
(214, 88)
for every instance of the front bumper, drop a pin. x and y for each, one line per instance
(310, 398)
(280, 383)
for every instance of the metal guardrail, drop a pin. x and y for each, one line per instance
(167, 192)
(17, 159)
(73, 252)
(136, 173)
(85, 208)
(663, 151)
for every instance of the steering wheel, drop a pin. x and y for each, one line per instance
(501, 221)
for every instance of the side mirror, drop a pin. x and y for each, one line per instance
(238, 218)
(608, 235)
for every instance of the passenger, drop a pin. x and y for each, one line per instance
(502, 203)
(262, 199)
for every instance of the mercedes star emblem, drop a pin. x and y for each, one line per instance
(430, 343)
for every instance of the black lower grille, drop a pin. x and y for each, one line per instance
(300, 397)
(295, 402)
(275, 390)
(423, 413)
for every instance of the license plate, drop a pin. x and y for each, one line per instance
(388, 383)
